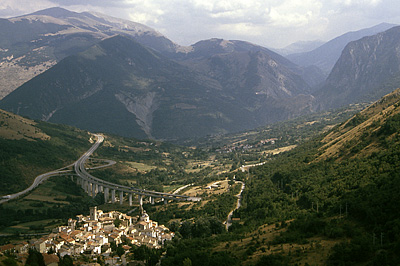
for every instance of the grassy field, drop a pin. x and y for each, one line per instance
(256, 244)
(16, 127)
(141, 167)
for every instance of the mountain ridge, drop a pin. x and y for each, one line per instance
(368, 69)
(122, 87)
(325, 56)
(31, 44)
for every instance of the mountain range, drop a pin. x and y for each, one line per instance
(31, 44)
(122, 87)
(125, 78)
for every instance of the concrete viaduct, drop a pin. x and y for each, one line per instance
(93, 185)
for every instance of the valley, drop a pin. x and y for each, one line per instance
(289, 212)
(248, 157)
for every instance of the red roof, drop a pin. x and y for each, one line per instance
(50, 258)
(7, 247)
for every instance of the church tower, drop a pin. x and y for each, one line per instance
(93, 213)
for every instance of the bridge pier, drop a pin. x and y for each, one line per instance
(140, 198)
(93, 190)
(121, 197)
(112, 195)
(92, 185)
(106, 192)
(87, 187)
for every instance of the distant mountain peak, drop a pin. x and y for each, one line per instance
(367, 69)
(57, 12)
(326, 55)
(34, 42)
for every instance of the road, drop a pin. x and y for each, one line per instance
(182, 188)
(79, 168)
(228, 221)
(38, 180)
(41, 178)
(246, 167)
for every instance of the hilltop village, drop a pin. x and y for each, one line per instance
(95, 235)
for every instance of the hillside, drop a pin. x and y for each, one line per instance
(30, 148)
(357, 137)
(352, 171)
(312, 206)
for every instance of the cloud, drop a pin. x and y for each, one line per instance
(357, 2)
(266, 22)
(11, 8)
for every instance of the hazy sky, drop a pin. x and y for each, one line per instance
(270, 23)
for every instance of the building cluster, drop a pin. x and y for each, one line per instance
(243, 147)
(94, 235)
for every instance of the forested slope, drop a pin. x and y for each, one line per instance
(30, 148)
(343, 185)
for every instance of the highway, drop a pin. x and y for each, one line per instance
(80, 170)
(38, 180)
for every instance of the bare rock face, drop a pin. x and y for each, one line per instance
(325, 56)
(142, 107)
(13, 75)
(367, 70)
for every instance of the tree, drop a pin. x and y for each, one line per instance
(141, 253)
(187, 262)
(117, 222)
(66, 261)
(35, 258)
(120, 251)
(10, 262)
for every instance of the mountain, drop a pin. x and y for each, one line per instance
(122, 87)
(233, 63)
(367, 69)
(31, 44)
(325, 56)
(299, 47)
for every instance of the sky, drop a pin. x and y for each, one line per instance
(270, 23)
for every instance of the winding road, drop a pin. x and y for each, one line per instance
(81, 171)
(38, 180)
(228, 221)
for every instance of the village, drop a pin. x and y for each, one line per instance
(240, 146)
(95, 235)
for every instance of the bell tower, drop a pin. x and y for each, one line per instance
(93, 213)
